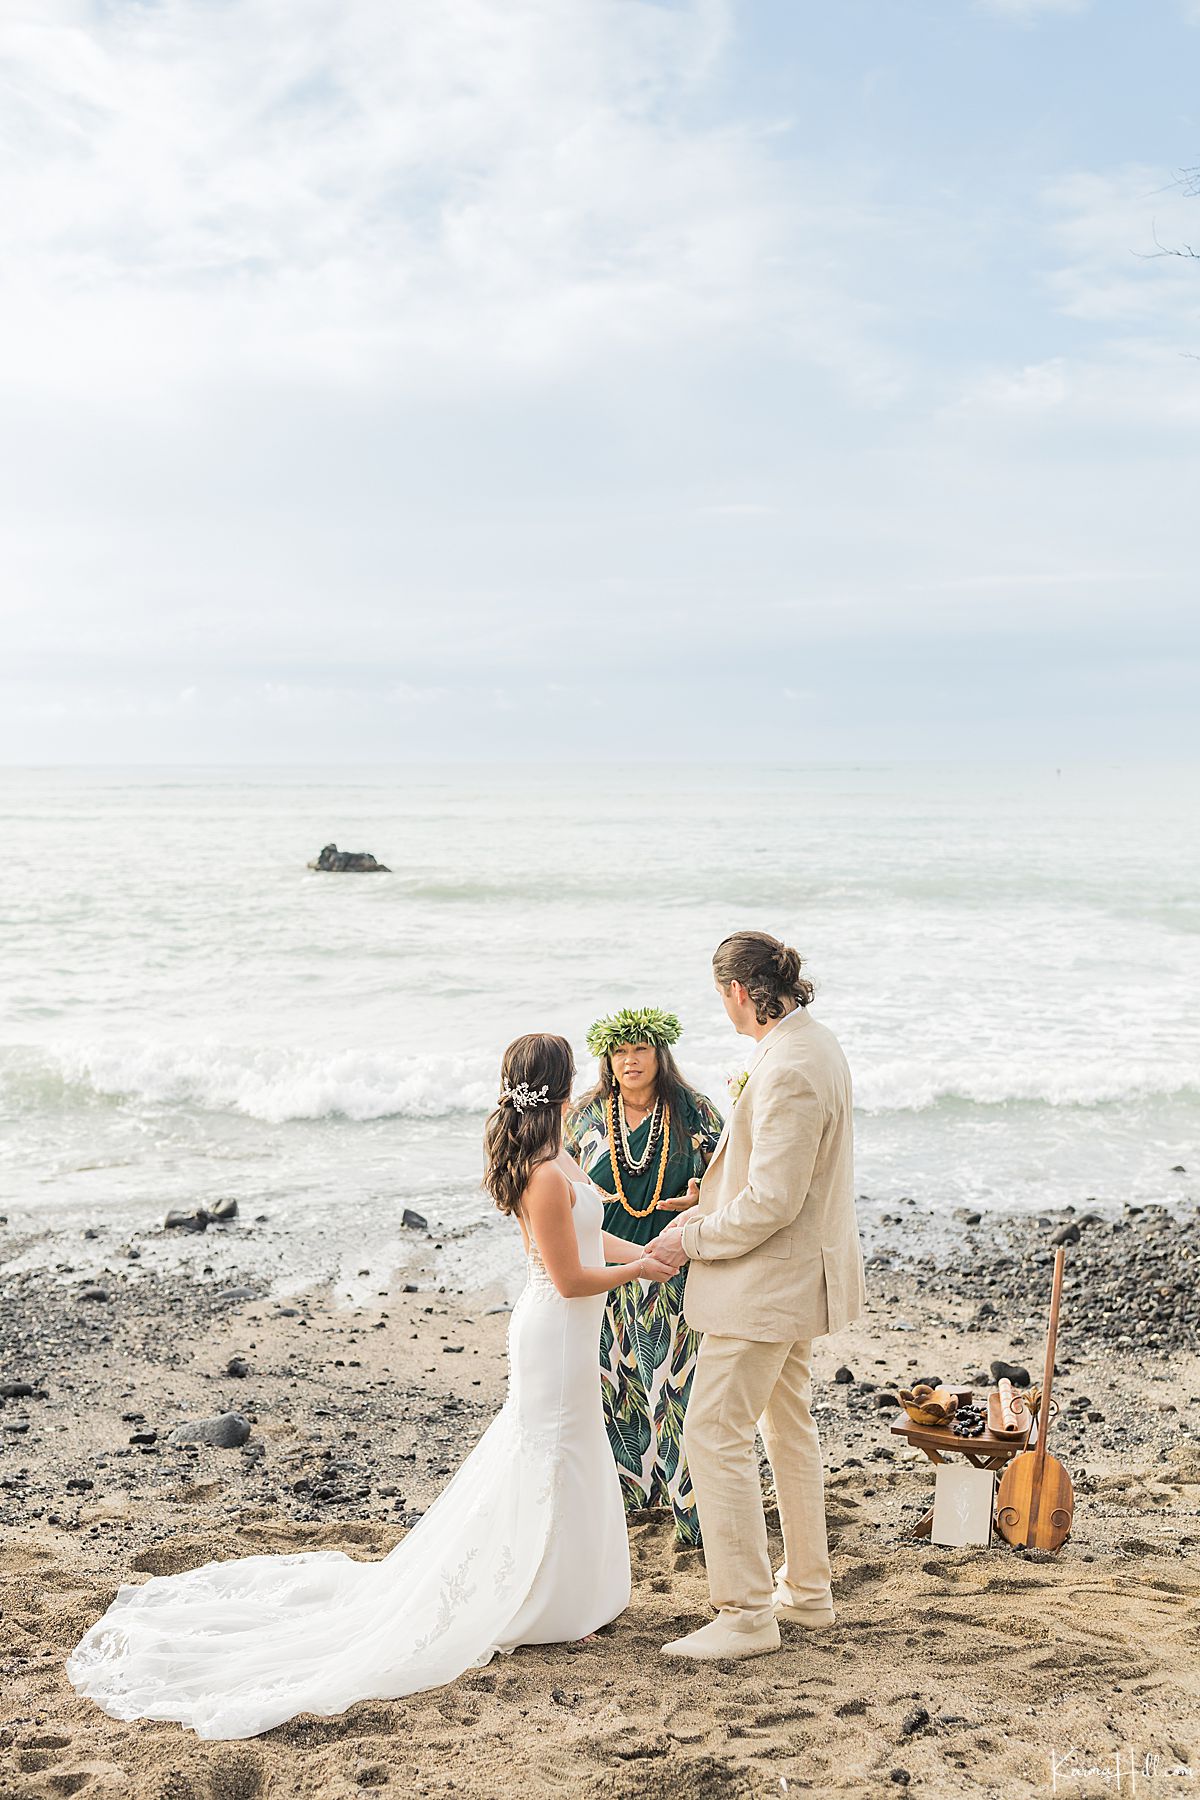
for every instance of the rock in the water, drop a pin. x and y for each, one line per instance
(1006, 1371)
(414, 1220)
(226, 1432)
(225, 1209)
(843, 1374)
(340, 862)
(180, 1218)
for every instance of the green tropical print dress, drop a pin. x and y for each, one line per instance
(647, 1350)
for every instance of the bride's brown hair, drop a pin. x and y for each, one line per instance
(518, 1138)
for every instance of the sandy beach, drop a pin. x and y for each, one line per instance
(948, 1671)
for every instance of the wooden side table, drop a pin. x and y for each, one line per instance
(985, 1451)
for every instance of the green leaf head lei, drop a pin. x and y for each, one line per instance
(634, 1025)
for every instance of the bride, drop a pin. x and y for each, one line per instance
(525, 1545)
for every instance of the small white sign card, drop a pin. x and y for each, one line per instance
(964, 1499)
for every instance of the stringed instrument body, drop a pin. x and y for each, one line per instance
(1036, 1502)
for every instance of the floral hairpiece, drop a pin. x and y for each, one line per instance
(524, 1096)
(634, 1025)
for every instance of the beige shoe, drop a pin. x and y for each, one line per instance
(718, 1640)
(812, 1616)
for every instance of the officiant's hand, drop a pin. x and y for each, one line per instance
(681, 1201)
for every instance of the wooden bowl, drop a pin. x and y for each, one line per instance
(929, 1406)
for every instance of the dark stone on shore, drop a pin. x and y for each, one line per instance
(79, 1484)
(182, 1219)
(1066, 1234)
(1006, 1371)
(900, 1776)
(968, 1216)
(143, 1437)
(1176, 1169)
(238, 1293)
(93, 1293)
(885, 1400)
(843, 1375)
(226, 1432)
(916, 1721)
(410, 1287)
(237, 1367)
(341, 862)
(225, 1209)
(16, 1390)
(414, 1220)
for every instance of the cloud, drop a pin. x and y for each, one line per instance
(347, 191)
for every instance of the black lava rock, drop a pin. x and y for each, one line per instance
(225, 1209)
(181, 1219)
(341, 862)
(1006, 1371)
(414, 1220)
(843, 1374)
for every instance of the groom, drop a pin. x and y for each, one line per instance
(775, 1262)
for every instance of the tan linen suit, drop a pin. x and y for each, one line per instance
(775, 1262)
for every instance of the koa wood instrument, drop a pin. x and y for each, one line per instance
(1036, 1501)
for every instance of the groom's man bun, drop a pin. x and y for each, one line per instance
(768, 970)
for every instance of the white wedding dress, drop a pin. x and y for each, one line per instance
(525, 1545)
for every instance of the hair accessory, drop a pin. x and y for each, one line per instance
(524, 1096)
(634, 1025)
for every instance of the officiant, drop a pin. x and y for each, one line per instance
(642, 1134)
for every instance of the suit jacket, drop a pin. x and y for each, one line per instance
(775, 1256)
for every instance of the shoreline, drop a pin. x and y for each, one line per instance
(359, 1413)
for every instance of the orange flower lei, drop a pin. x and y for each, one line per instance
(633, 1211)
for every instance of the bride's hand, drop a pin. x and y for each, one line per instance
(650, 1269)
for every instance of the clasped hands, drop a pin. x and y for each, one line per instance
(667, 1248)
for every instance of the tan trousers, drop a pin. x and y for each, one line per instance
(738, 1385)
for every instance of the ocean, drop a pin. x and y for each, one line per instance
(1010, 957)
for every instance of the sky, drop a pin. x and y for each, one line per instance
(605, 380)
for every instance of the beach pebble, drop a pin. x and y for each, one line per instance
(1006, 1371)
(93, 1293)
(15, 1390)
(225, 1209)
(414, 1220)
(79, 1484)
(181, 1219)
(237, 1293)
(915, 1721)
(226, 1432)
(237, 1367)
(967, 1215)
(1066, 1234)
(843, 1375)
(900, 1776)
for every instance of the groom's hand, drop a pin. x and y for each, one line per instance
(668, 1247)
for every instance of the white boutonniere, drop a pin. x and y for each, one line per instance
(736, 1083)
